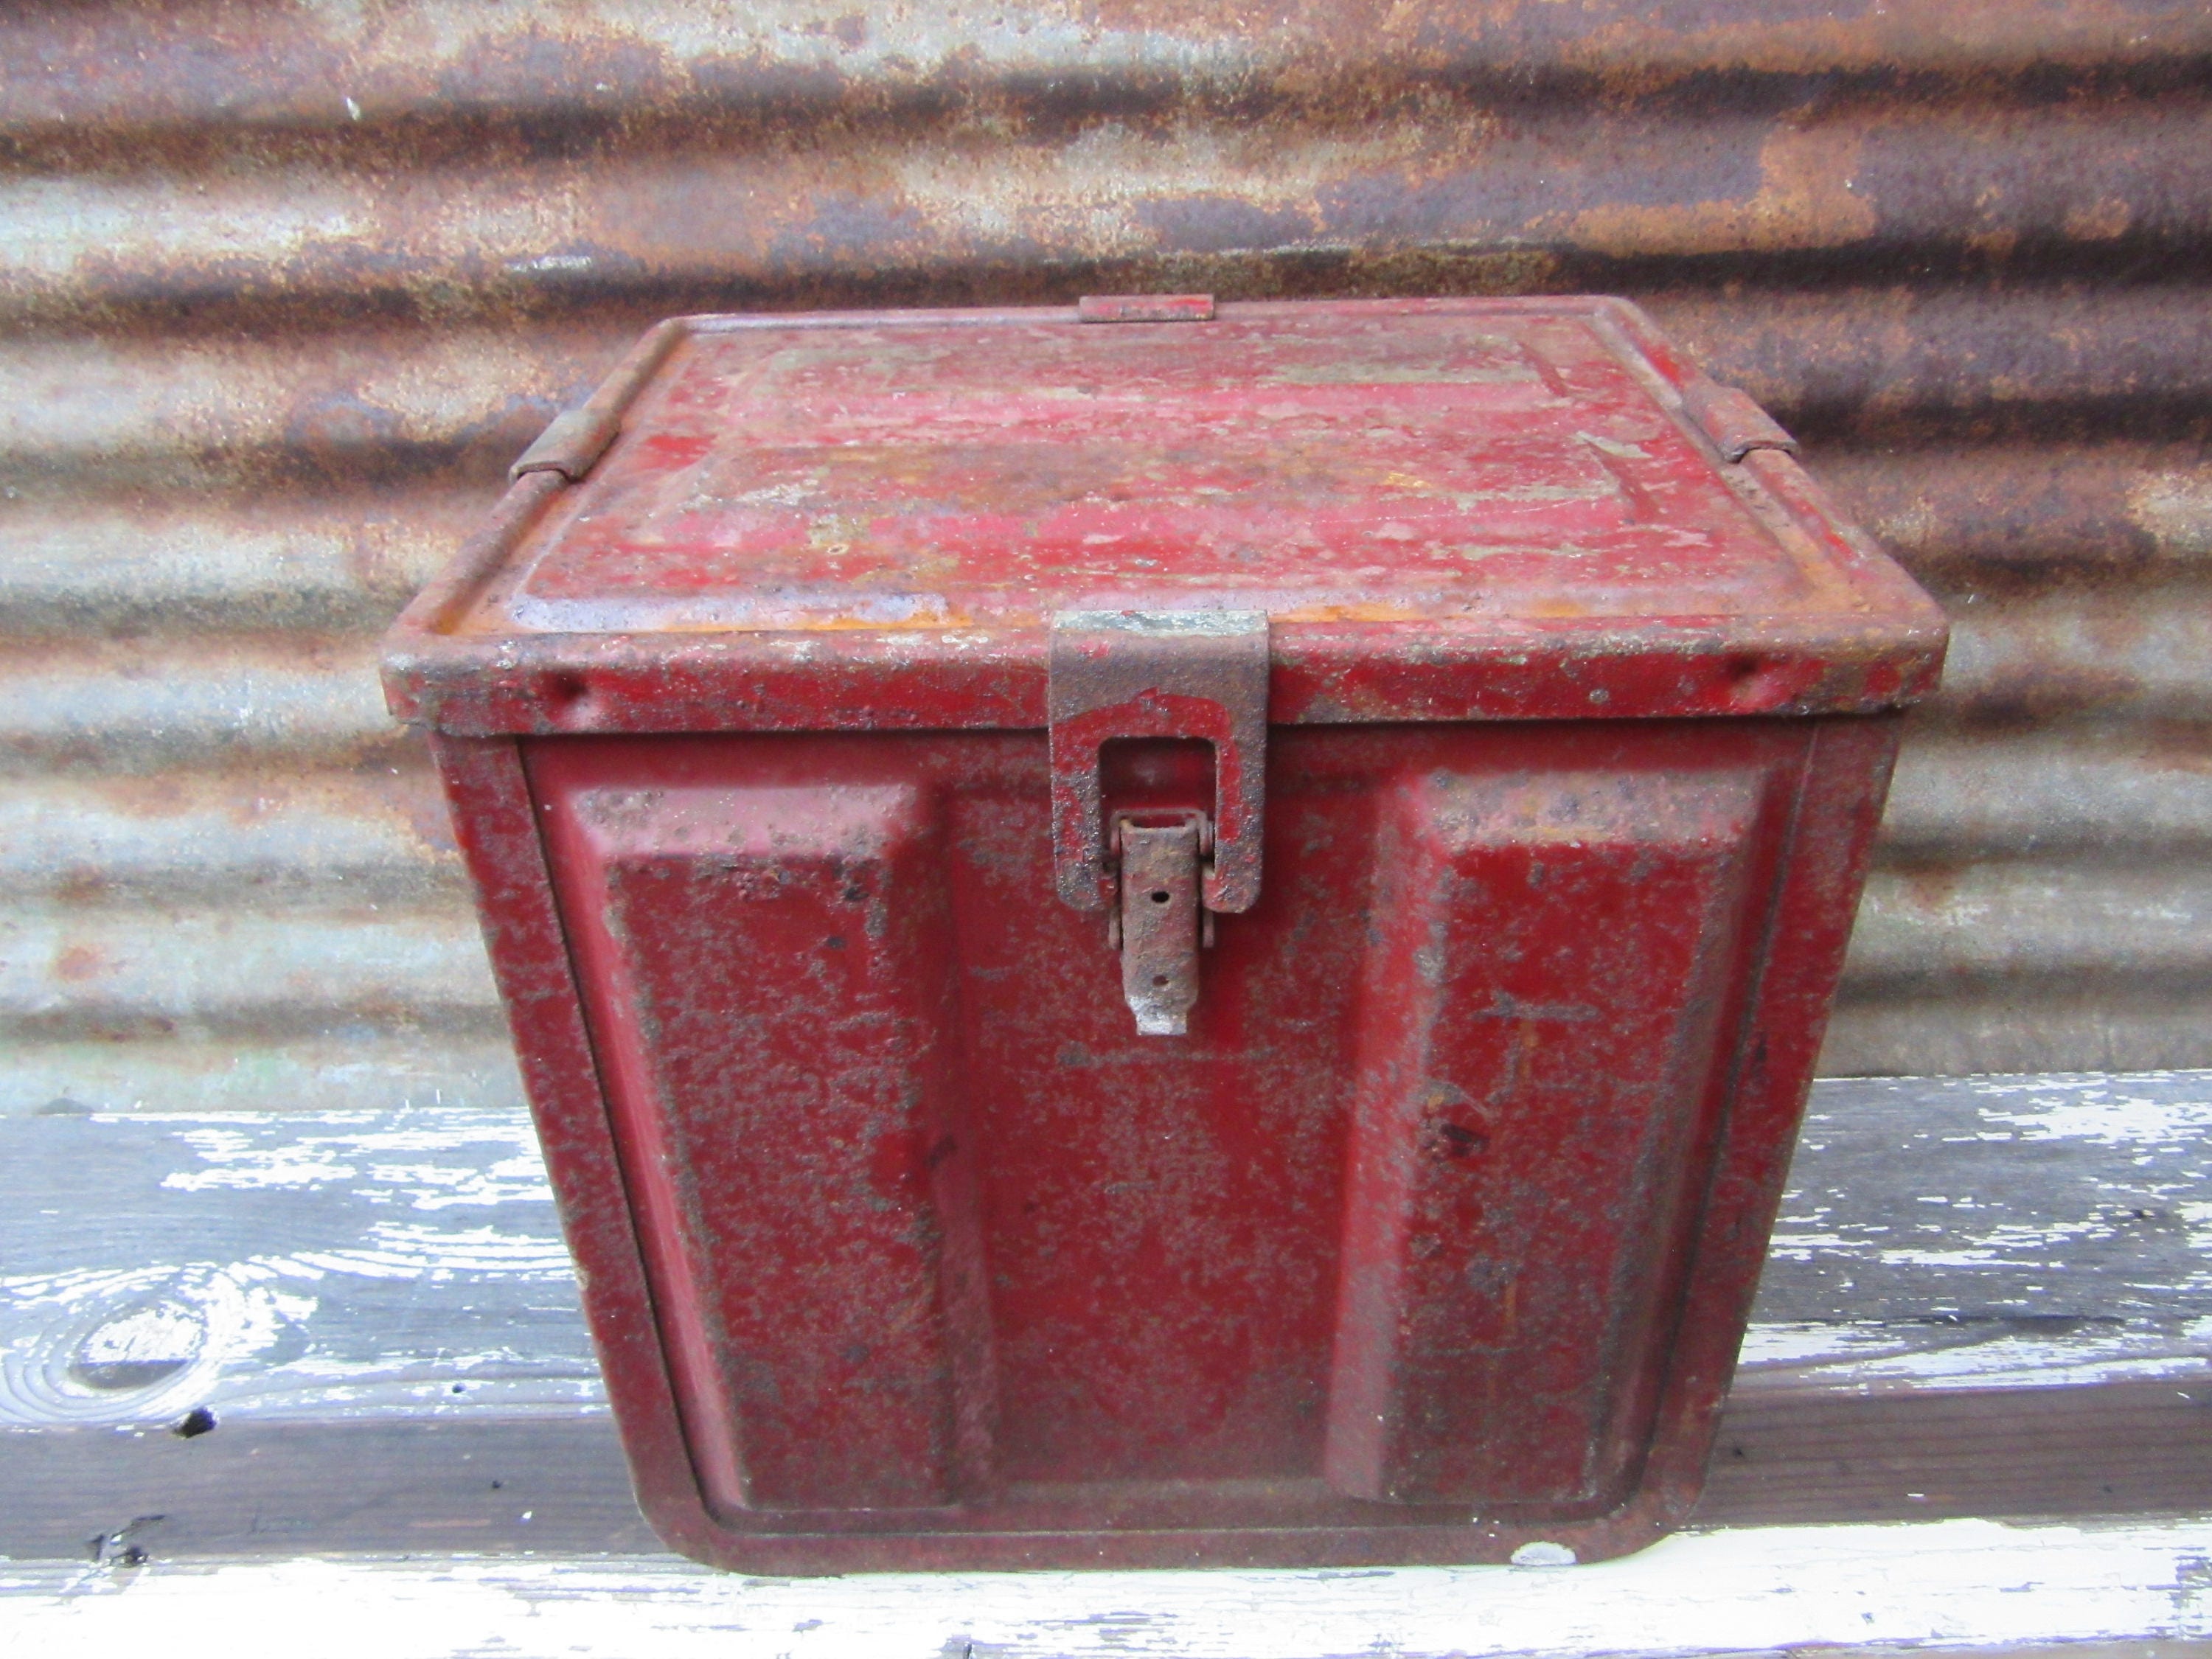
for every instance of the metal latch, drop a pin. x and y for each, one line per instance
(1158, 923)
(1160, 874)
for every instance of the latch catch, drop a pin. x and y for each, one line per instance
(1159, 924)
(1161, 875)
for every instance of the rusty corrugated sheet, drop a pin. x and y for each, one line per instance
(286, 286)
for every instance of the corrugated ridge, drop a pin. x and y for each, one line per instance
(213, 64)
(408, 220)
(282, 291)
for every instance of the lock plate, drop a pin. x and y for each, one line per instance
(1198, 674)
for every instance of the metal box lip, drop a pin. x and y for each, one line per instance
(1830, 625)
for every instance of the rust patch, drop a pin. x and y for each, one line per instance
(75, 963)
(1803, 196)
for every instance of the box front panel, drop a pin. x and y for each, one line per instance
(931, 1228)
(1551, 954)
(768, 981)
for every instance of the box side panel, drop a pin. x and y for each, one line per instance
(766, 969)
(1845, 781)
(495, 821)
(1553, 956)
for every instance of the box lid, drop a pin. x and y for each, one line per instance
(1448, 509)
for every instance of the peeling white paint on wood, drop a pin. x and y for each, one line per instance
(1993, 1232)
(2067, 1197)
(2110, 1111)
(1986, 1354)
(406, 1260)
(1954, 1583)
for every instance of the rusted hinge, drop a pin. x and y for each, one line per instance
(1734, 423)
(571, 445)
(1144, 308)
(1161, 874)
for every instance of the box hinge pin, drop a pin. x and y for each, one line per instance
(1735, 424)
(572, 445)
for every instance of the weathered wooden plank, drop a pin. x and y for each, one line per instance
(318, 1263)
(469, 1483)
(1992, 1233)
(1787, 1453)
(376, 1307)
(478, 1483)
(2081, 1197)
(2057, 1592)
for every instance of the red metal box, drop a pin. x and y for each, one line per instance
(1148, 934)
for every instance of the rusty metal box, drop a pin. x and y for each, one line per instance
(1144, 933)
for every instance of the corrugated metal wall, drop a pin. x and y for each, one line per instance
(286, 286)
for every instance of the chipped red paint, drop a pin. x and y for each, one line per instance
(1433, 1235)
(884, 564)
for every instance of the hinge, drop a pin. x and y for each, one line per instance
(1144, 308)
(571, 445)
(1161, 873)
(1734, 423)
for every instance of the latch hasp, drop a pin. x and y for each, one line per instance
(1152, 674)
